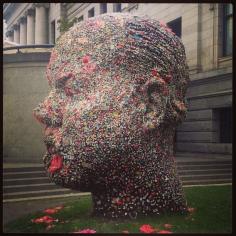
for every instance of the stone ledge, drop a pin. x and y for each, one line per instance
(207, 95)
(217, 148)
(27, 57)
(211, 73)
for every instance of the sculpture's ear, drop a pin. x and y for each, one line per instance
(156, 94)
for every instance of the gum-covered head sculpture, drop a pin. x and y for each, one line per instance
(117, 83)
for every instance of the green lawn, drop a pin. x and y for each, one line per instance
(213, 214)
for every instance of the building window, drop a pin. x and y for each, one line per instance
(91, 13)
(227, 29)
(224, 119)
(103, 8)
(81, 18)
(117, 7)
(225, 115)
(176, 26)
(53, 33)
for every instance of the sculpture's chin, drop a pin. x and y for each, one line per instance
(69, 175)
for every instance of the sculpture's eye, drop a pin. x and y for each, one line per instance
(157, 89)
(69, 85)
(72, 86)
(60, 83)
(154, 87)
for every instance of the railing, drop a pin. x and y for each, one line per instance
(28, 46)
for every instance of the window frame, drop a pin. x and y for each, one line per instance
(225, 19)
(81, 18)
(176, 20)
(223, 118)
(102, 8)
(92, 9)
(115, 7)
(53, 31)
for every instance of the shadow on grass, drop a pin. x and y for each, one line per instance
(212, 214)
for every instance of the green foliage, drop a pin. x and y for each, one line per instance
(65, 24)
(213, 214)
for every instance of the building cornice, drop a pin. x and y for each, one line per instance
(130, 7)
(46, 5)
(9, 33)
(17, 11)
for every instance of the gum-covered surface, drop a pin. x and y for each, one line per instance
(118, 84)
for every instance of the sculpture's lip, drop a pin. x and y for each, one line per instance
(50, 130)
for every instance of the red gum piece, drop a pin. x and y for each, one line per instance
(56, 163)
(85, 59)
(168, 78)
(154, 72)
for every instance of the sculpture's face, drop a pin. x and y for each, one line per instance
(107, 92)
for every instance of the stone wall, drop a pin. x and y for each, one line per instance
(200, 131)
(24, 86)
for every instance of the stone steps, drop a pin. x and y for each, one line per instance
(193, 167)
(187, 183)
(20, 181)
(32, 187)
(187, 172)
(205, 176)
(25, 194)
(7, 170)
(25, 174)
(32, 182)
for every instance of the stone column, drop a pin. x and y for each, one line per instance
(23, 30)
(109, 7)
(11, 39)
(41, 23)
(16, 36)
(30, 26)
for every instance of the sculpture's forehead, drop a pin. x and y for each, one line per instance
(91, 34)
(112, 43)
(82, 50)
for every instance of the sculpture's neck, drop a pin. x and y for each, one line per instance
(140, 181)
(157, 143)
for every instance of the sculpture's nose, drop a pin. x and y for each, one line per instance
(40, 113)
(49, 112)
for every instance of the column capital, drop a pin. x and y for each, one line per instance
(15, 26)
(22, 20)
(9, 33)
(46, 5)
(30, 12)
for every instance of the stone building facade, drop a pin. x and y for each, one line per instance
(206, 31)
